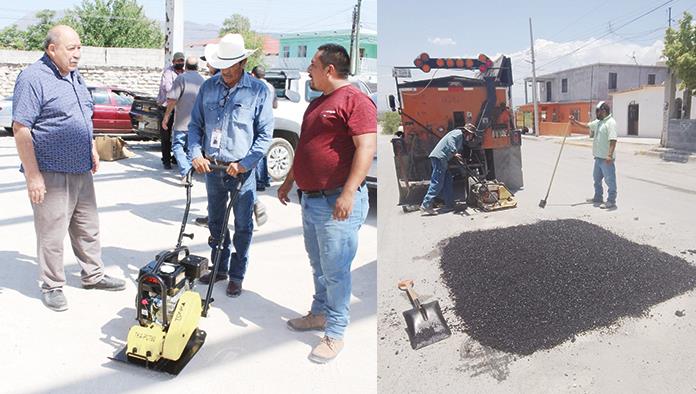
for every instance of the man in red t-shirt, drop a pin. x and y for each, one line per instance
(337, 144)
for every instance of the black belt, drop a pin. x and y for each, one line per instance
(218, 162)
(325, 192)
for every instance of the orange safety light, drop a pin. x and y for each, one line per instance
(418, 62)
(450, 63)
(424, 57)
(440, 62)
(460, 63)
(426, 68)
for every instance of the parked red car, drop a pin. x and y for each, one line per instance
(111, 110)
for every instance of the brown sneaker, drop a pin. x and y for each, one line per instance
(307, 322)
(327, 349)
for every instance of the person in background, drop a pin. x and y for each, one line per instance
(166, 81)
(180, 100)
(603, 132)
(441, 179)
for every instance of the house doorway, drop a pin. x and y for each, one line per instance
(633, 118)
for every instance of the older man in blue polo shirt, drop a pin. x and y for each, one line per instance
(231, 124)
(52, 114)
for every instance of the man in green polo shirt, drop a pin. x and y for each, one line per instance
(603, 132)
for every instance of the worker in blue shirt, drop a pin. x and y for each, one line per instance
(441, 179)
(232, 125)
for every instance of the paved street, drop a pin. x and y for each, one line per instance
(248, 348)
(656, 201)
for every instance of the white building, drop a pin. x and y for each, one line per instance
(639, 112)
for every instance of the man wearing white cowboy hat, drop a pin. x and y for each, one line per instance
(441, 180)
(231, 124)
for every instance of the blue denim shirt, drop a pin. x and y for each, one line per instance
(243, 113)
(450, 144)
(58, 111)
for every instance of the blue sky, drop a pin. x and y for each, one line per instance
(467, 28)
(265, 15)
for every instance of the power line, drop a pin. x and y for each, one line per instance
(604, 35)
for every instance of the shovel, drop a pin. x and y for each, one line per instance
(425, 324)
(542, 203)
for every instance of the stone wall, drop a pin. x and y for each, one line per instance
(681, 134)
(135, 69)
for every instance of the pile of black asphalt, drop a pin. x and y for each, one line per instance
(531, 287)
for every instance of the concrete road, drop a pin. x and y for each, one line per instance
(656, 201)
(248, 348)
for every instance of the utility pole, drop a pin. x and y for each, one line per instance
(669, 21)
(174, 30)
(534, 83)
(355, 41)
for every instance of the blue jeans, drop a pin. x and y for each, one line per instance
(263, 180)
(180, 149)
(219, 185)
(608, 172)
(440, 184)
(331, 246)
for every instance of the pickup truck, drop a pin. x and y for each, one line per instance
(146, 116)
(294, 95)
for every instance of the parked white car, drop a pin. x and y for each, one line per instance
(294, 95)
(6, 113)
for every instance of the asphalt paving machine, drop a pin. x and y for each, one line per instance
(491, 163)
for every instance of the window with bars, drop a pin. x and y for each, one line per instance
(286, 51)
(564, 85)
(302, 51)
(612, 81)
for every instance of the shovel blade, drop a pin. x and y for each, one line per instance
(423, 332)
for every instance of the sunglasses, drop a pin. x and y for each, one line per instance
(223, 100)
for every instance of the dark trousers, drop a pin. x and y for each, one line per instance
(166, 139)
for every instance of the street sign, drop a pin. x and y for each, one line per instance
(401, 73)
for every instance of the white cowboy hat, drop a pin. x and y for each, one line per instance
(228, 52)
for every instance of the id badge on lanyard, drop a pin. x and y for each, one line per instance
(216, 136)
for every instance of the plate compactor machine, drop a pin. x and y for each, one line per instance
(491, 160)
(168, 308)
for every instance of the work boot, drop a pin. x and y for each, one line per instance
(234, 289)
(608, 205)
(55, 300)
(307, 322)
(327, 349)
(202, 221)
(107, 283)
(205, 279)
(427, 211)
(260, 213)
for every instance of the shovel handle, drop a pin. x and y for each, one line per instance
(407, 286)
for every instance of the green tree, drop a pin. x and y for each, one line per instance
(680, 50)
(30, 39)
(114, 23)
(389, 121)
(252, 40)
(12, 37)
(36, 34)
